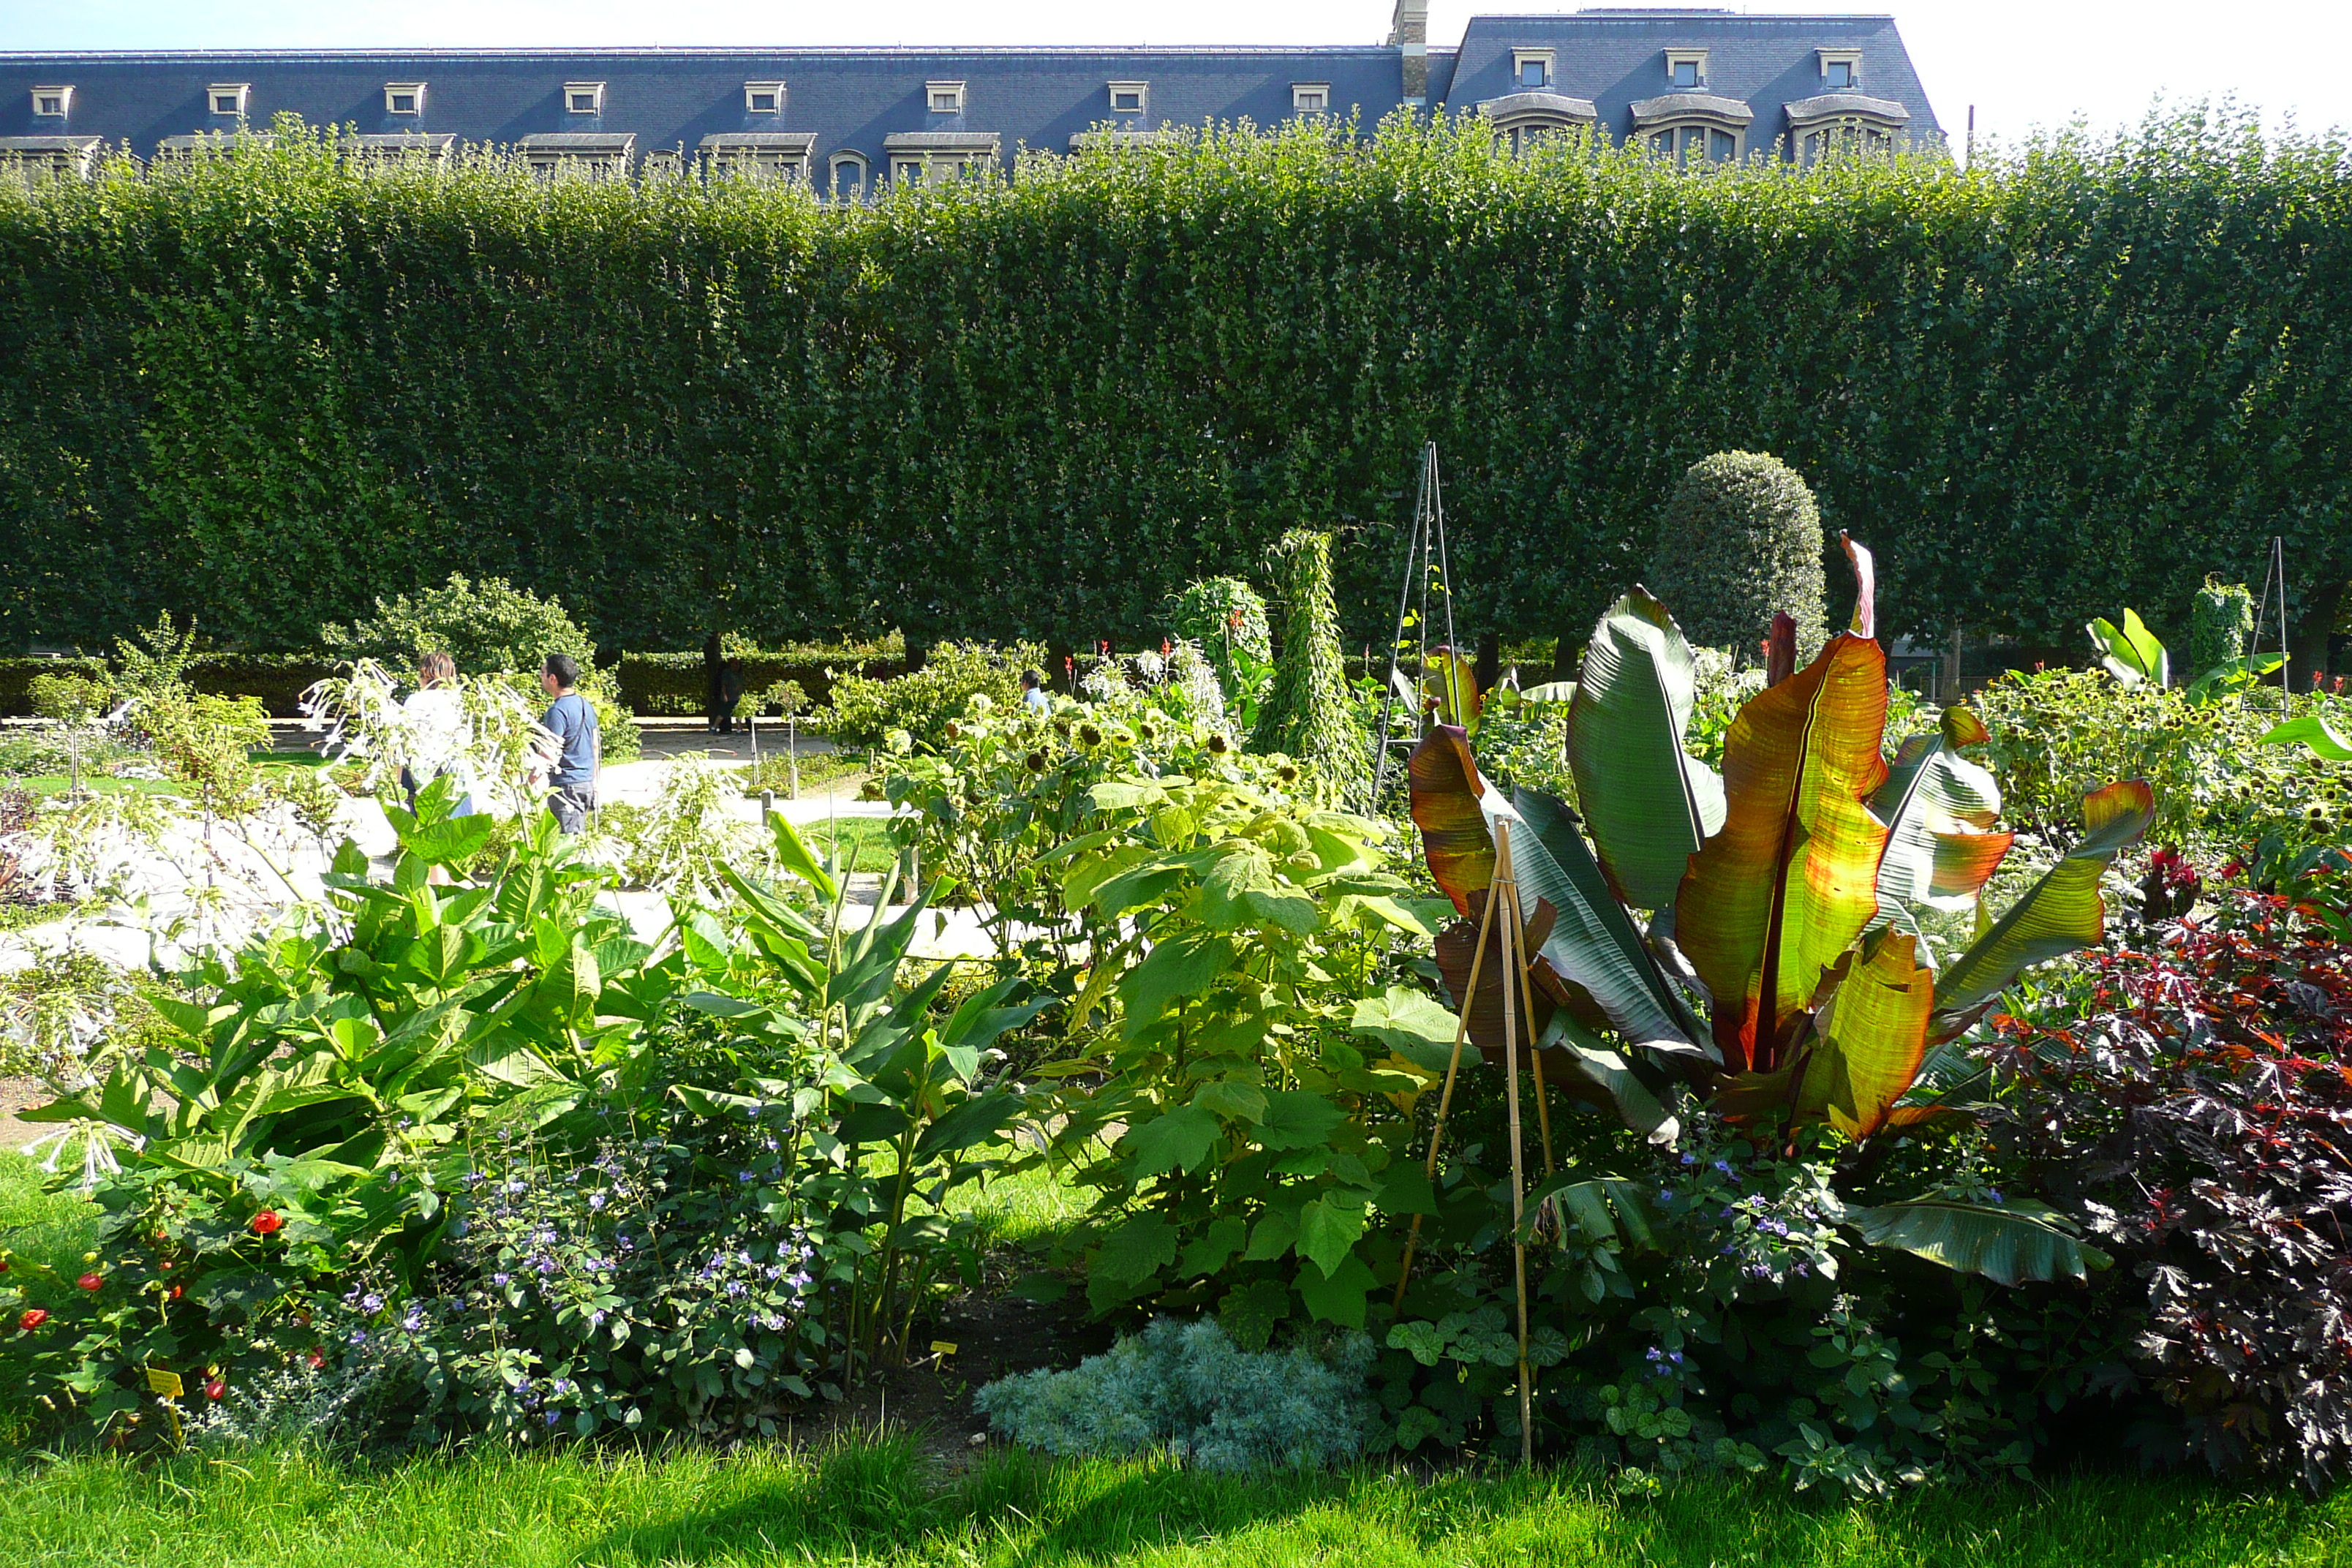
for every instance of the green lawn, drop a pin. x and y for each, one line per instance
(57, 783)
(879, 1502)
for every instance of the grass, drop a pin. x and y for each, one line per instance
(879, 1499)
(59, 783)
(864, 841)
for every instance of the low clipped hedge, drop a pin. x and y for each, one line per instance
(277, 680)
(672, 685)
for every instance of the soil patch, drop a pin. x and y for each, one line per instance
(21, 1094)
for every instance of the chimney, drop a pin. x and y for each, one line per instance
(1409, 35)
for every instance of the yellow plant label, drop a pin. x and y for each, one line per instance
(943, 1347)
(167, 1383)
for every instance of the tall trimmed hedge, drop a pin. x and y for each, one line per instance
(269, 387)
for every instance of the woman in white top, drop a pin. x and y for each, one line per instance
(436, 718)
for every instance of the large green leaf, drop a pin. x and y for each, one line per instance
(1648, 804)
(1940, 809)
(1451, 684)
(1772, 902)
(2007, 1245)
(1872, 1034)
(1409, 1023)
(2130, 652)
(2315, 732)
(2062, 912)
(1594, 942)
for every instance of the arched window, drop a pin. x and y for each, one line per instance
(1521, 117)
(848, 177)
(1834, 122)
(1693, 127)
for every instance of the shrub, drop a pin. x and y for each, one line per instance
(2190, 1100)
(1740, 539)
(923, 702)
(2220, 625)
(490, 627)
(2219, 789)
(1309, 713)
(71, 698)
(1187, 1388)
(1227, 619)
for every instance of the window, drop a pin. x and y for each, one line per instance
(1696, 145)
(764, 98)
(1841, 68)
(1686, 68)
(1310, 97)
(583, 96)
(848, 176)
(228, 97)
(51, 103)
(1839, 73)
(403, 98)
(1130, 96)
(1531, 69)
(944, 97)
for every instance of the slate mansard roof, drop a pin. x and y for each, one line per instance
(859, 100)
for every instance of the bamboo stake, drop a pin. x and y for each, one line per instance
(1445, 1099)
(1506, 888)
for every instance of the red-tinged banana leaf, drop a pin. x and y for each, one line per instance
(1588, 1068)
(1458, 948)
(1866, 586)
(1961, 727)
(2061, 912)
(1779, 648)
(1777, 899)
(1647, 803)
(1446, 791)
(1940, 809)
(1451, 685)
(1871, 1037)
(1596, 944)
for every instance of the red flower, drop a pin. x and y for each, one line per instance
(317, 1358)
(33, 1318)
(92, 1281)
(4, 1266)
(265, 1222)
(214, 1389)
(177, 1291)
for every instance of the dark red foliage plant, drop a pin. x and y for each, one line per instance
(2190, 1103)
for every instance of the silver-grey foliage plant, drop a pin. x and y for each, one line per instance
(1741, 539)
(1188, 1389)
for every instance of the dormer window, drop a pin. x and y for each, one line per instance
(1686, 68)
(1130, 96)
(944, 97)
(229, 97)
(52, 102)
(1531, 69)
(403, 98)
(1841, 69)
(764, 98)
(1310, 97)
(583, 96)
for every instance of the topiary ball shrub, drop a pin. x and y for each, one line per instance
(1189, 1389)
(1740, 539)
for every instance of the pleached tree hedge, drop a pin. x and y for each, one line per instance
(268, 387)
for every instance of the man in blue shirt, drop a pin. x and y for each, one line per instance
(571, 782)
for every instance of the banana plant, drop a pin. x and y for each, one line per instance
(2130, 652)
(1783, 971)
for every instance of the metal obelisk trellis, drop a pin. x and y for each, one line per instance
(2273, 583)
(1426, 566)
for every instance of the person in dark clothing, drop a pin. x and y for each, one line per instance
(730, 692)
(714, 678)
(572, 719)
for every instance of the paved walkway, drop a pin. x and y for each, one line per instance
(290, 871)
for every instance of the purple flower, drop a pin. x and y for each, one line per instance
(370, 1302)
(595, 1200)
(414, 1320)
(501, 1278)
(358, 1336)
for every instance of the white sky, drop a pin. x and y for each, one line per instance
(2022, 63)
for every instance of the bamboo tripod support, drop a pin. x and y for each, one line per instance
(1503, 893)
